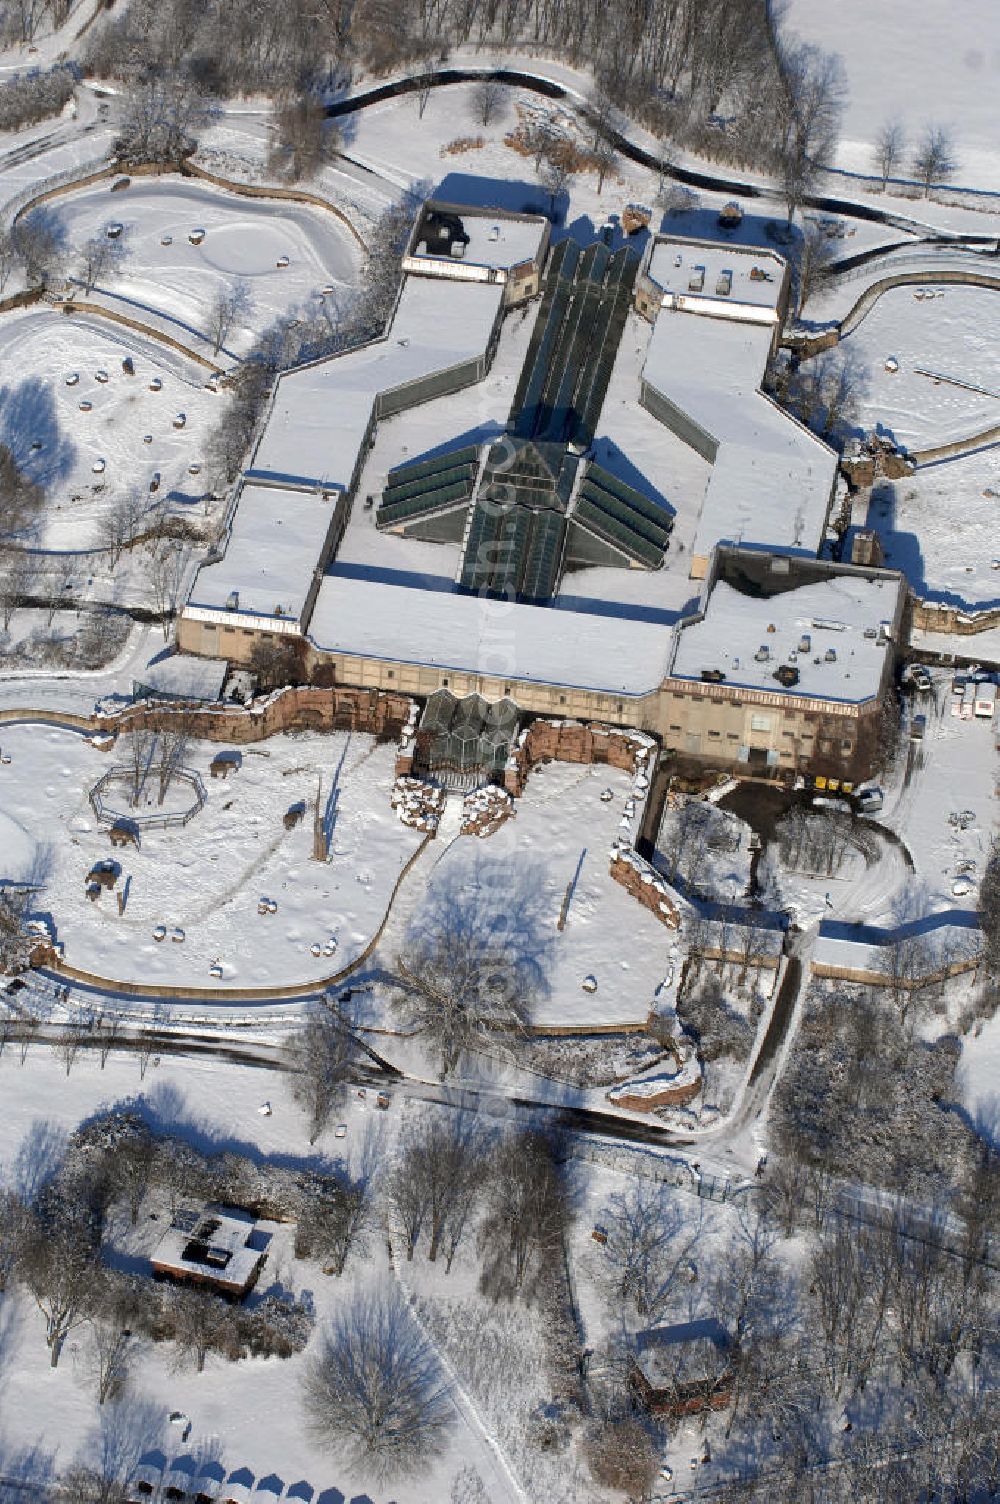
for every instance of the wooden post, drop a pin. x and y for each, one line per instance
(321, 848)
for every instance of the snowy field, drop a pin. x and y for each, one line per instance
(940, 526)
(560, 835)
(243, 239)
(40, 351)
(938, 64)
(955, 336)
(246, 1413)
(205, 879)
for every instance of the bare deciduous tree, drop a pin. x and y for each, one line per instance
(323, 1055)
(200, 1323)
(100, 257)
(436, 1179)
(623, 1455)
(120, 524)
(649, 1238)
(139, 747)
(813, 101)
(888, 150)
(57, 1265)
(555, 173)
(813, 256)
(166, 576)
(934, 157)
(8, 257)
(406, 1191)
(231, 306)
(175, 739)
(107, 1027)
(302, 137)
(527, 1211)
(14, 1224)
(112, 1353)
(39, 240)
(474, 961)
(989, 911)
(158, 120)
(20, 496)
(605, 161)
(375, 1389)
(488, 100)
(329, 1227)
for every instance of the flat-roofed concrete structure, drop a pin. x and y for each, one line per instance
(717, 310)
(744, 284)
(222, 1248)
(785, 667)
(467, 244)
(266, 580)
(294, 501)
(513, 551)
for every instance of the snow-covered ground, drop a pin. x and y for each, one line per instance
(244, 239)
(207, 877)
(247, 1412)
(918, 65)
(40, 351)
(939, 526)
(939, 337)
(560, 837)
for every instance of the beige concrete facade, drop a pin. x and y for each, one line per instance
(744, 730)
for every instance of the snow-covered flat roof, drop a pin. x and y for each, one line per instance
(320, 414)
(440, 627)
(771, 479)
(698, 271)
(496, 238)
(274, 547)
(219, 1244)
(834, 614)
(184, 675)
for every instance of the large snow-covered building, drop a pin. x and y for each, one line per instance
(785, 666)
(509, 546)
(717, 311)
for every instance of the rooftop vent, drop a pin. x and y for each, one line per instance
(830, 656)
(786, 675)
(233, 600)
(805, 643)
(763, 653)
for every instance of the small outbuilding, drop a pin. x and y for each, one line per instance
(684, 1368)
(220, 1248)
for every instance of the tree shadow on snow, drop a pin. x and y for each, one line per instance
(164, 1108)
(28, 416)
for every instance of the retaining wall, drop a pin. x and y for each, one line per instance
(305, 708)
(930, 617)
(644, 883)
